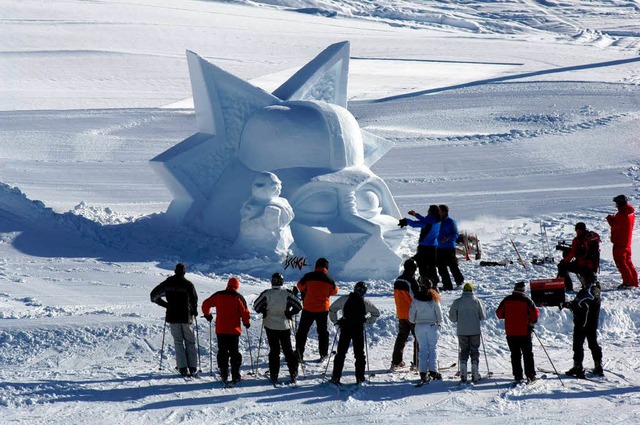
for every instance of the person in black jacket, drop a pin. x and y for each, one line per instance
(356, 311)
(182, 305)
(586, 314)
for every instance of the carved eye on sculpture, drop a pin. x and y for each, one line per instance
(317, 208)
(368, 202)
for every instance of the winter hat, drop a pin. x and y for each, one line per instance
(322, 263)
(233, 283)
(580, 226)
(277, 279)
(180, 269)
(519, 286)
(621, 200)
(410, 266)
(360, 288)
(468, 287)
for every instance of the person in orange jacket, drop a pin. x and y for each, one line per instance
(316, 288)
(520, 315)
(231, 310)
(621, 234)
(403, 287)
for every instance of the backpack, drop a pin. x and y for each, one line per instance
(591, 244)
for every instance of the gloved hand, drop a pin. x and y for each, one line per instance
(288, 314)
(340, 322)
(295, 291)
(371, 320)
(247, 325)
(412, 212)
(403, 223)
(209, 317)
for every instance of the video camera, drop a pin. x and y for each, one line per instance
(563, 246)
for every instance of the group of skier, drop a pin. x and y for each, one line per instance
(418, 309)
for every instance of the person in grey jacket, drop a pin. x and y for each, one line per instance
(426, 314)
(278, 306)
(467, 311)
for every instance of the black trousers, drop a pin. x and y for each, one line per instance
(348, 335)
(427, 259)
(521, 348)
(564, 269)
(591, 335)
(228, 350)
(447, 260)
(306, 320)
(404, 329)
(281, 339)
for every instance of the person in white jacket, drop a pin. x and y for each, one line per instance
(467, 311)
(278, 306)
(426, 314)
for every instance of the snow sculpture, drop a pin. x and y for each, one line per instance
(265, 218)
(304, 134)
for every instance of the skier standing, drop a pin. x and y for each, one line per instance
(621, 234)
(446, 253)
(467, 311)
(356, 312)
(426, 314)
(316, 288)
(586, 314)
(520, 315)
(182, 305)
(426, 256)
(231, 310)
(278, 306)
(403, 287)
(585, 248)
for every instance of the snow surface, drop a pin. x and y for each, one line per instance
(516, 114)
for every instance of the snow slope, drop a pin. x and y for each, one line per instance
(516, 114)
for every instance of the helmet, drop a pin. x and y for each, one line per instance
(277, 279)
(410, 265)
(621, 200)
(360, 288)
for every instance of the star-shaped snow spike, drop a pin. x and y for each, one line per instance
(223, 103)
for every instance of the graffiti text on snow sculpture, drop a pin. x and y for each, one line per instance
(304, 135)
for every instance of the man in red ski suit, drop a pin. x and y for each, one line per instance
(621, 233)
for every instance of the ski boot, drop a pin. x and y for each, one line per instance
(597, 370)
(463, 373)
(435, 375)
(475, 373)
(576, 371)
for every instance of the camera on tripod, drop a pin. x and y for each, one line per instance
(563, 246)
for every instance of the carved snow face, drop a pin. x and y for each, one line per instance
(266, 186)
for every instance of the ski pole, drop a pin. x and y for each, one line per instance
(250, 352)
(210, 348)
(484, 349)
(198, 342)
(332, 347)
(164, 330)
(366, 347)
(295, 331)
(259, 346)
(545, 351)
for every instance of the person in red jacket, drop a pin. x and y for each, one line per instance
(520, 315)
(621, 234)
(231, 309)
(403, 288)
(316, 288)
(585, 249)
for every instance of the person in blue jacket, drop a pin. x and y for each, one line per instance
(447, 259)
(426, 257)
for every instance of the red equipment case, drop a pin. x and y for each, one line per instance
(547, 292)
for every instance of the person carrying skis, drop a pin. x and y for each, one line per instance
(316, 288)
(585, 249)
(277, 306)
(182, 306)
(231, 310)
(426, 315)
(446, 252)
(621, 234)
(467, 311)
(586, 315)
(356, 312)
(403, 287)
(426, 256)
(520, 315)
